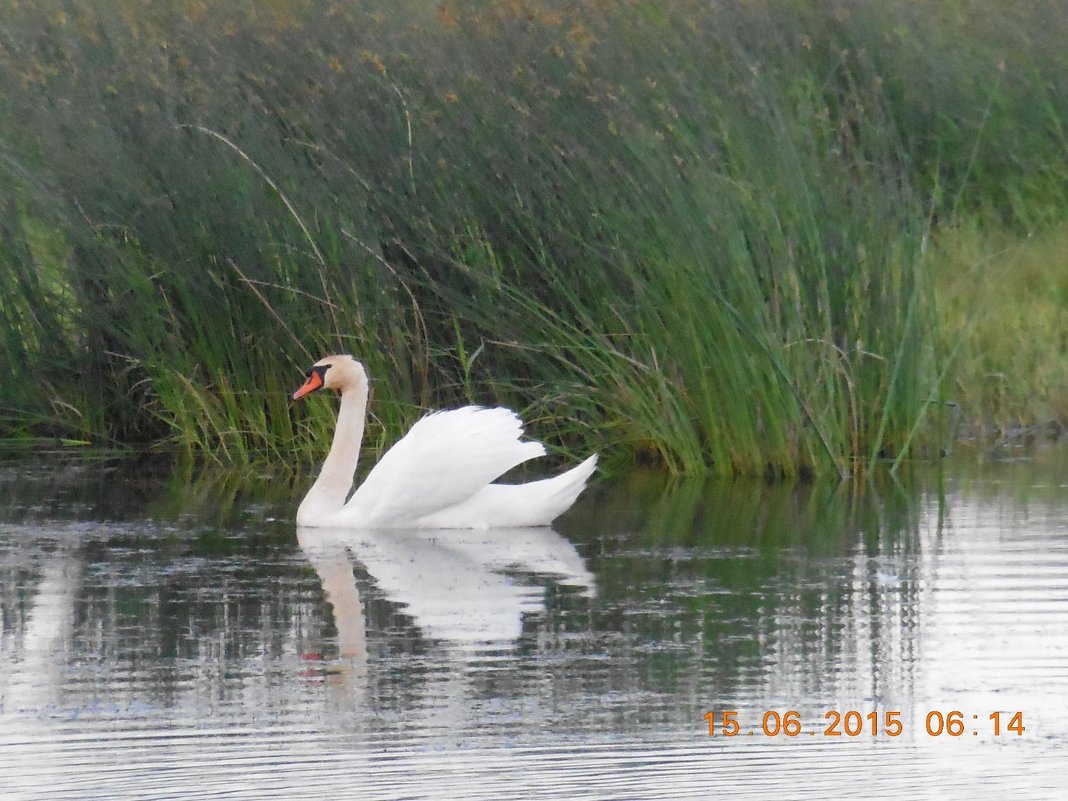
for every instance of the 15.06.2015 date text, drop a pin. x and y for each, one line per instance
(954, 723)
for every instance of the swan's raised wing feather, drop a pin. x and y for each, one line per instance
(444, 459)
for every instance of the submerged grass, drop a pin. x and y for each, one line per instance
(695, 234)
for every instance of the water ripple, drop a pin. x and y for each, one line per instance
(173, 659)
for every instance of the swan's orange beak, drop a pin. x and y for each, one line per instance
(314, 382)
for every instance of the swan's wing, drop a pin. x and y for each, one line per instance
(444, 459)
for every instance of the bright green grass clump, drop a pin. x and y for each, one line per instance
(691, 232)
(1005, 300)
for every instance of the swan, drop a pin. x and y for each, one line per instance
(439, 475)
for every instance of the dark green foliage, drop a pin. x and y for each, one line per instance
(691, 232)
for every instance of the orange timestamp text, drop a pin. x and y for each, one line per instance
(852, 723)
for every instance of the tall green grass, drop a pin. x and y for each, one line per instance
(690, 233)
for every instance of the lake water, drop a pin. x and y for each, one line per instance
(168, 635)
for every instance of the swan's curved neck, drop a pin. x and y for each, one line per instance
(331, 488)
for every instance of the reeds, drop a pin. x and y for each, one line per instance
(692, 233)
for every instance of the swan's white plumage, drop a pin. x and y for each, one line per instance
(535, 503)
(439, 475)
(444, 459)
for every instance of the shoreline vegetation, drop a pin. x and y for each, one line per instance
(742, 238)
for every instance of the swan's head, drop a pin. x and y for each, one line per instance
(342, 373)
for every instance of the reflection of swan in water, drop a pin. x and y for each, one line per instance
(451, 583)
(33, 669)
(329, 557)
(32, 665)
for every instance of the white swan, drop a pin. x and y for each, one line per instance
(438, 476)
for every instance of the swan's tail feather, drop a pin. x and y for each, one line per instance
(536, 503)
(564, 489)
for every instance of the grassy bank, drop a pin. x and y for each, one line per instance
(718, 237)
(1004, 303)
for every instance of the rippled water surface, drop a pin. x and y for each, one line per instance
(175, 636)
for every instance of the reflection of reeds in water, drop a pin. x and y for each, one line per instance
(753, 593)
(707, 254)
(707, 593)
(210, 601)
